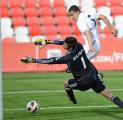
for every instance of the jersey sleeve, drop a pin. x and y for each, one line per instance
(58, 42)
(56, 60)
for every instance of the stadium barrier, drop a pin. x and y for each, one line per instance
(110, 57)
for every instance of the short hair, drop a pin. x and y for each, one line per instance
(74, 8)
(71, 42)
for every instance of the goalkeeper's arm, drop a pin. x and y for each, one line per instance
(56, 42)
(45, 42)
(41, 61)
(55, 60)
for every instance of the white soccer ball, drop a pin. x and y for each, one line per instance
(32, 106)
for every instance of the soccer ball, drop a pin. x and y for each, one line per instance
(32, 106)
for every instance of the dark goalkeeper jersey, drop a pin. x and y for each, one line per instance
(76, 60)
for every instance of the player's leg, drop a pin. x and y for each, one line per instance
(99, 87)
(68, 84)
(115, 99)
(82, 84)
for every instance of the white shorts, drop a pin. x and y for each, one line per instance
(97, 47)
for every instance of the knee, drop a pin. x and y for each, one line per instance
(66, 86)
(66, 83)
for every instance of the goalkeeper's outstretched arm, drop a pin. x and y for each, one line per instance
(45, 42)
(58, 42)
(55, 60)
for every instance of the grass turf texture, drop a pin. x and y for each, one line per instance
(47, 89)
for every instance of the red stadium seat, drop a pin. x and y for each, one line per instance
(80, 39)
(46, 11)
(117, 10)
(44, 3)
(116, 2)
(31, 21)
(62, 20)
(50, 30)
(15, 3)
(19, 21)
(35, 30)
(111, 38)
(17, 12)
(60, 11)
(31, 12)
(76, 30)
(58, 3)
(30, 3)
(52, 37)
(4, 3)
(65, 30)
(102, 3)
(47, 21)
(5, 12)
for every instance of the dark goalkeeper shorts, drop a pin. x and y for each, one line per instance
(89, 81)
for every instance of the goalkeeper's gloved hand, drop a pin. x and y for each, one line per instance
(28, 60)
(41, 42)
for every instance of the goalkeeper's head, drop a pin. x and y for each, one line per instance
(70, 43)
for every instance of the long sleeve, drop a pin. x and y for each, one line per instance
(56, 60)
(58, 42)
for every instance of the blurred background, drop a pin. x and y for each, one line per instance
(24, 20)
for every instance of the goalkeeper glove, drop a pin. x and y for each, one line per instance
(42, 42)
(28, 60)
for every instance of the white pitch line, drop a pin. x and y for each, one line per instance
(38, 80)
(50, 80)
(49, 91)
(69, 107)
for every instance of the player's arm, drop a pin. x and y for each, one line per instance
(107, 22)
(45, 42)
(89, 39)
(55, 60)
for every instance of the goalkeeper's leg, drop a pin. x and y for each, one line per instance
(69, 92)
(115, 99)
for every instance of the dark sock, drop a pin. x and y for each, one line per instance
(117, 101)
(71, 96)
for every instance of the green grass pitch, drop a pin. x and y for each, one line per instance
(47, 89)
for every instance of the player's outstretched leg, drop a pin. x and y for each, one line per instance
(70, 94)
(116, 100)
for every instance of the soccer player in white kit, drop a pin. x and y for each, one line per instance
(86, 23)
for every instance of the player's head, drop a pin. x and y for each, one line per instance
(70, 43)
(74, 12)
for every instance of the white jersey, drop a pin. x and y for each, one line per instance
(87, 21)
